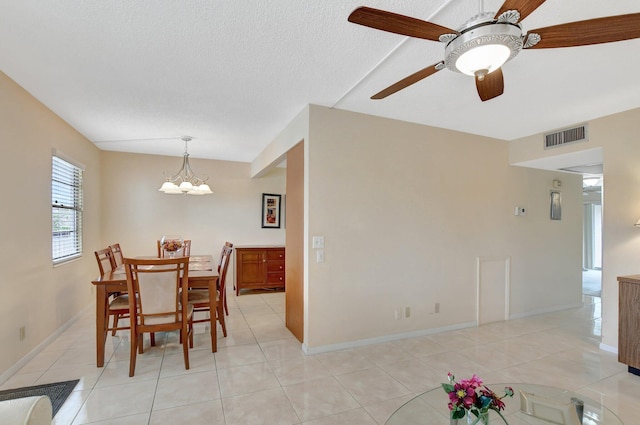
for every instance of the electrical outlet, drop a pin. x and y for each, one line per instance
(398, 314)
(407, 312)
(23, 333)
(437, 308)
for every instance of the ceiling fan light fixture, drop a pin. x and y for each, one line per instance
(485, 57)
(481, 50)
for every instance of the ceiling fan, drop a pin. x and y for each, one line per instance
(487, 41)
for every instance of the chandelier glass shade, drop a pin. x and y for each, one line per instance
(185, 180)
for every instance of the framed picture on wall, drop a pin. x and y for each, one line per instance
(556, 206)
(271, 210)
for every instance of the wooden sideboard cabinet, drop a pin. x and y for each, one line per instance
(629, 322)
(259, 267)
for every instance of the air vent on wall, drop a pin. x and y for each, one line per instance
(566, 136)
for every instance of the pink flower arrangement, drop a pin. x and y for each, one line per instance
(171, 245)
(470, 395)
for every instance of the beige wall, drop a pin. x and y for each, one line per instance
(36, 295)
(136, 217)
(43, 298)
(616, 136)
(407, 210)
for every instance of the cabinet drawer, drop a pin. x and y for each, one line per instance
(276, 254)
(275, 266)
(275, 278)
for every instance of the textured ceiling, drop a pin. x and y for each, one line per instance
(135, 75)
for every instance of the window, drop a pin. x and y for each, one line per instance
(66, 210)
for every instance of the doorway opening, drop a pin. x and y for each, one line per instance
(592, 235)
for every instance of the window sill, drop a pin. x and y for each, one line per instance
(67, 261)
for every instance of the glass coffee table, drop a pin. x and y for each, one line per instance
(530, 405)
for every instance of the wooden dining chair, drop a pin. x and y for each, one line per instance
(225, 248)
(118, 256)
(199, 298)
(186, 248)
(118, 303)
(105, 260)
(160, 286)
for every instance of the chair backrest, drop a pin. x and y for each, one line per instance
(105, 260)
(226, 248)
(222, 269)
(161, 287)
(118, 257)
(186, 247)
(185, 251)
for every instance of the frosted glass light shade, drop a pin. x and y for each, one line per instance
(487, 57)
(168, 187)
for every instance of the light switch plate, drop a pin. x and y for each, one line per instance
(318, 242)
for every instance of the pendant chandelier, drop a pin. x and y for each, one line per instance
(185, 180)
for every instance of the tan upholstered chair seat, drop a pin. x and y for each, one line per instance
(200, 296)
(166, 318)
(121, 302)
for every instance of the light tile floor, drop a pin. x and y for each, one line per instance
(260, 375)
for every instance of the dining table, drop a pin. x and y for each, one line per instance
(203, 273)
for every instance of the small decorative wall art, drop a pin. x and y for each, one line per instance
(271, 208)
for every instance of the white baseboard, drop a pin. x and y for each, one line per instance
(382, 339)
(608, 348)
(37, 349)
(545, 311)
(388, 338)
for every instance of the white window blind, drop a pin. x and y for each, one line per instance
(66, 210)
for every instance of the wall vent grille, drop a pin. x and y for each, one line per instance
(566, 136)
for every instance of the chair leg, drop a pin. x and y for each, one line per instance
(224, 300)
(220, 314)
(133, 350)
(140, 339)
(153, 339)
(185, 346)
(116, 317)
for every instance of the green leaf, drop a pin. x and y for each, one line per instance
(448, 388)
(458, 414)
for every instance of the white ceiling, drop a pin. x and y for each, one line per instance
(135, 75)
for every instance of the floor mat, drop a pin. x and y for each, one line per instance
(57, 392)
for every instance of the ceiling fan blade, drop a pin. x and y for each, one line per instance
(491, 86)
(591, 31)
(525, 7)
(406, 82)
(398, 24)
